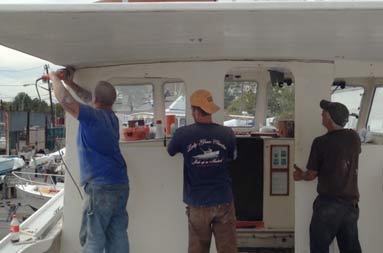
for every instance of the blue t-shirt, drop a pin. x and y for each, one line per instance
(101, 161)
(207, 150)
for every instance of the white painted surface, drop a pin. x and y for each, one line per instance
(142, 32)
(310, 81)
(157, 214)
(278, 211)
(371, 198)
(329, 40)
(155, 205)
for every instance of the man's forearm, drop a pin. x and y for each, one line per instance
(309, 175)
(82, 93)
(69, 104)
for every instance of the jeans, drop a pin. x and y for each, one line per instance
(332, 218)
(105, 219)
(205, 221)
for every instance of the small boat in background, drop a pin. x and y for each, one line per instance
(10, 163)
(39, 160)
(29, 188)
(42, 179)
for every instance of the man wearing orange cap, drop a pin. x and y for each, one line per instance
(207, 149)
(334, 160)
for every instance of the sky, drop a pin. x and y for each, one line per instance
(18, 69)
(45, 1)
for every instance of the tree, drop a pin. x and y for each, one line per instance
(22, 102)
(281, 102)
(6, 106)
(244, 103)
(59, 111)
(240, 97)
(39, 105)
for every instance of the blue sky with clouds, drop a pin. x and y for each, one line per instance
(17, 69)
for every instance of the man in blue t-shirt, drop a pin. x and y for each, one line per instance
(207, 149)
(103, 170)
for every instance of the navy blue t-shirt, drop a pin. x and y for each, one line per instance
(207, 149)
(101, 161)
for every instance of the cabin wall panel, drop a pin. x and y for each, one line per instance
(157, 214)
(370, 181)
(309, 82)
(278, 211)
(72, 201)
(155, 205)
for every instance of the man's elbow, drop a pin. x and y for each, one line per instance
(171, 152)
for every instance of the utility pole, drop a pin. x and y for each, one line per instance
(50, 95)
(28, 127)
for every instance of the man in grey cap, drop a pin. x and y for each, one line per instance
(334, 160)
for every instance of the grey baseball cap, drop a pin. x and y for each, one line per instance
(338, 112)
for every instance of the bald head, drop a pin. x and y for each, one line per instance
(105, 93)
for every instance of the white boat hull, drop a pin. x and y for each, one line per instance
(36, 195)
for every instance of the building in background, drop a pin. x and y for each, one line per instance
(29, 130)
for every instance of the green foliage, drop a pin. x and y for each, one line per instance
(23, 102)
(245, 103)
(281, 102)
(58, 109)
(230, 93)
(240, 97)
(39, 106)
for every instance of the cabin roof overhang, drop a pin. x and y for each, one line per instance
(112, 34)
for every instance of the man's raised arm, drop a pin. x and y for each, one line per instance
(66, 100)
(67, 77)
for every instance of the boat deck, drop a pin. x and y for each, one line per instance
(23, 212)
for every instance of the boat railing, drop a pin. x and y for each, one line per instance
(27, 177)
(40, 230)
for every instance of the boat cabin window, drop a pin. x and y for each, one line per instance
(375, 119)
(280, 104)
(175, 104)
(350, 96)
(239, 103)
(134, 109)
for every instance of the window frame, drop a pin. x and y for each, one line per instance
(370, 108)
(268, 89)
(243, 128)
(185, 100)
(365, 90)
(121, 124)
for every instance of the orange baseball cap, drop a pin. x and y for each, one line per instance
(204, 100)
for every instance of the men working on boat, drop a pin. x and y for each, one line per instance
(103, 170)
(334, 160)
(207, 149)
